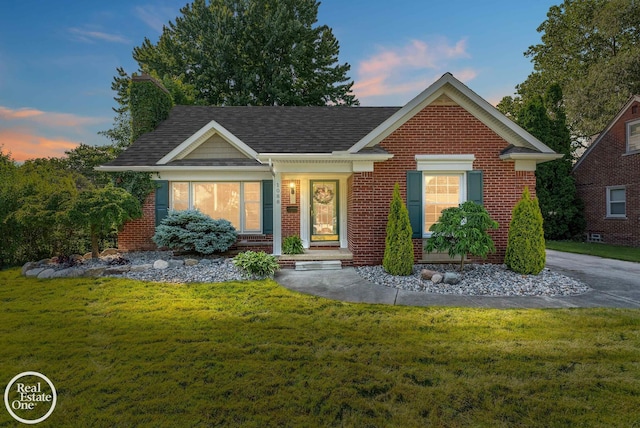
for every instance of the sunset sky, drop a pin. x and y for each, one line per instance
(58, 58)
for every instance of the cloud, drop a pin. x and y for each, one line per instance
(49, 118)
(89, 36)
(23, 144)
(154, 16)
(395, 73)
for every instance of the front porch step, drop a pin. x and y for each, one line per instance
(319, 265)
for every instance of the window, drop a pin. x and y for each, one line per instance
(616, 201)
(238, 202)
(441, 191)
(633, 136)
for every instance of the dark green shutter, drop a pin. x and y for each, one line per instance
(267, 206)
(162, 200)
(474, 186)
(414, 201)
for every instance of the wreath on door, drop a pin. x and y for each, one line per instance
(323, 195)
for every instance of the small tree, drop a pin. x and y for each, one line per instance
(463, 230)
(104, 210)
(398, 250)
(525, 245)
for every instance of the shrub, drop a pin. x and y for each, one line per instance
(398, 249)
(463, 230)
(191, 230)
(257, 264)
(525, 244)
(292, 245)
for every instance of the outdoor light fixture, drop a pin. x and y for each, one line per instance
(292, 198)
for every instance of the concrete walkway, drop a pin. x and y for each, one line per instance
(613, 283)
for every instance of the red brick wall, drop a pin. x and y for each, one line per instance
(434, 130)
(290, 220)
(136, 234)
(608, 164)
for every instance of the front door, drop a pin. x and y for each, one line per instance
(324, 211)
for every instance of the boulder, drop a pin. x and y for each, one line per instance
(451, 278)
(94, 271)
(190, 262)
(205, 262)
(141, 268)
(427, 274)
(108, 252)
(436, 278)
(173, 263)
(46, 273)
(68, 273)
(28, 266)
(160, 264)
(87, 256)
(116, 270)
(34, 271)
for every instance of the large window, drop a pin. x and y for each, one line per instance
(238, 201)
(441, 191)
(616, 201)
(633, 136)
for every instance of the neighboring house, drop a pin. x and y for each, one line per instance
(608, 180)
(327, 173)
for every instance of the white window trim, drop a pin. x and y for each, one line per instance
(628, 135)
(242, 214)
(462, 198)
(443, 163)
(609, 201)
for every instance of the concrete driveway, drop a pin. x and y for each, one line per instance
(613, 283)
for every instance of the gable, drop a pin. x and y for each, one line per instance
(215, 147)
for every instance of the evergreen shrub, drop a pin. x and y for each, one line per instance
(398, 249)
(292, 245)
(525, 245)
(191, 230)
(257, 264)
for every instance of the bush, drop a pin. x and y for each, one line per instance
(292, 245)
(257, 264)
(191, 230)
(398, 249)
(525, 244)
(463, 230)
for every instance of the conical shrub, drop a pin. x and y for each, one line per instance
(525, 245)
(398, 250)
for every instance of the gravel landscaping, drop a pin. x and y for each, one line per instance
(479, 280)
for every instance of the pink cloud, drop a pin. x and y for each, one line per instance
(409, 69)
(23, 144)
(49, 118)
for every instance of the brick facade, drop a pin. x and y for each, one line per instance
(434, 130)
(607, 163)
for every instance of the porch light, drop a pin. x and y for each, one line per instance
(292, 198)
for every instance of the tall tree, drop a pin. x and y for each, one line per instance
(561, 208)
(592, 49)
(250, 52)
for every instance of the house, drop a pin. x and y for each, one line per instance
(327, 173)
(608, 180)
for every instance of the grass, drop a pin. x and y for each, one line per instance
(128, 353)
(631, 254)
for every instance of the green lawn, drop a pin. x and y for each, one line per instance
(631, 254)
(126, 353)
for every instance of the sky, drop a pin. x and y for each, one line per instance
(58, 58)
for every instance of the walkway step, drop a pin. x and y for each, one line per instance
(319, 265)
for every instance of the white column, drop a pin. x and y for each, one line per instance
(277, 214)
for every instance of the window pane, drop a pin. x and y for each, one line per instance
(252, 216)
(617, 195)
(179, 196)
(618, 208)
(252, 192)
(441, 192)
(218, 200)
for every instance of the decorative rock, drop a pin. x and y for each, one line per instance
(46, 273)
(87, 256)
(190, 262)
(108, 252)
(94, 271)
(451, 278)
(34, 272)
(141, 268)
(160, 264)
(205, 262)
(28, 266)
(115, 270)
(68, 273)
(175, 263)
(427, 273)
(436, 278)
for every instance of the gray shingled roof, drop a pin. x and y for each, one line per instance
(264, 129)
